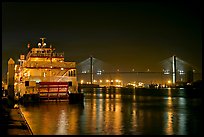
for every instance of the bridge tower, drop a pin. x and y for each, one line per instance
(174, 70)
(91, 69)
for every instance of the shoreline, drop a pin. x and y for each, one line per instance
(12, 121)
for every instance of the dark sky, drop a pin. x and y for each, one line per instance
(127, 35)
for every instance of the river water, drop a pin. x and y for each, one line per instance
(116, 112)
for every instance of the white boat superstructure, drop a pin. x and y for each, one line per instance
(44, 71)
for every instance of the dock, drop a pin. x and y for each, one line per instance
(12, 122)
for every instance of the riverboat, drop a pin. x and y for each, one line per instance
(45, 73)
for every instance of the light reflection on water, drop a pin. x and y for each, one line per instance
(116, 114)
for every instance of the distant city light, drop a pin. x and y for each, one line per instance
(169, 81)
(82, 81)
(140, 84)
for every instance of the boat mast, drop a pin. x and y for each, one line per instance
(43, 43)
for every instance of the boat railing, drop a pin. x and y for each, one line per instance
(44, 55)
(33, 64)
(49, 78)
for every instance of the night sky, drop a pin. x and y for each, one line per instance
(127, 35)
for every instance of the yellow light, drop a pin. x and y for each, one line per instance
(169, 81)
(82, 81)
(15, 67)
(100, 81)
(107, 80)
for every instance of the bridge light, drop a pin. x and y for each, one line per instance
(99, 72)
(83, 72)
(166, 72)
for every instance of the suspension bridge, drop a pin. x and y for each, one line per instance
(174, 69)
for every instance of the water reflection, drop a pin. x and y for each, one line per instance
(116, 113)
(168, 117)
(62, 124)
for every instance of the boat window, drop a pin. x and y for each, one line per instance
(74, 73)
(71, 73)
